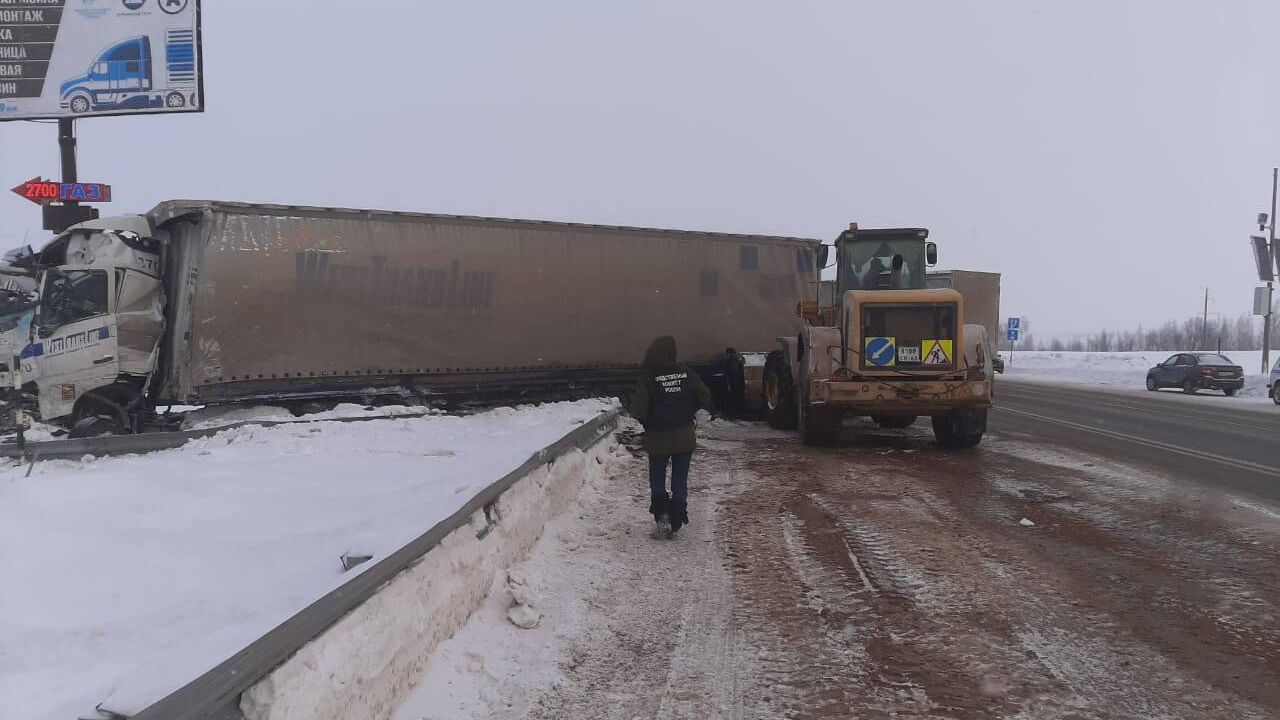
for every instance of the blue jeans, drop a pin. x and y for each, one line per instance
(679, 476)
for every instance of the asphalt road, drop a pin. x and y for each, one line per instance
(1206, 439)
(883, 577)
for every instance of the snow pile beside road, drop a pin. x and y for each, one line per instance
(369, 660)
(127, 577)
(217, 416)
(492, 667)
(1119, 369)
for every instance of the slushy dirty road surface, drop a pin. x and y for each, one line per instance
(885, 578)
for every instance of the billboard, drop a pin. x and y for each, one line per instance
(79, 58)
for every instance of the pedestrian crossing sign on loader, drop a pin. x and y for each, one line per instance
(936, 352)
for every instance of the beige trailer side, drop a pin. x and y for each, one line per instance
(981, 293)
(278, 300)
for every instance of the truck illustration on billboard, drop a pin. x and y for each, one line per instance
(124, 77)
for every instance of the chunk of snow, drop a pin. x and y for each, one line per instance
(521, 593)
(1026, 523)
(523, 616)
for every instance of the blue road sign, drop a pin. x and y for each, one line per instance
(880, 351)
(1014, 334)
(1015, 323)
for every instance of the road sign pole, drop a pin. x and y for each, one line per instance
(67, 144)
(1271, 249)
(59, 217)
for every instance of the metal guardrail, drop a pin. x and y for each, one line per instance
(215, 695)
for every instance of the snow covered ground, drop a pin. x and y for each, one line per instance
(124, 578)
(213, 416)
(1121, 370)
(201, 417)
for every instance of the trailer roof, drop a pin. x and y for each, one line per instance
(171, 209)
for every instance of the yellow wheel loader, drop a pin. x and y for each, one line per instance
(878, 343)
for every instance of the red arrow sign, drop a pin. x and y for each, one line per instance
(30, 190)
(41, 191)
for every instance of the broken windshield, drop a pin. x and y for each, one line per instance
(72, 295)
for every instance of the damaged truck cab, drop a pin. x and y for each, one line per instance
(884, 346)
(93, 344)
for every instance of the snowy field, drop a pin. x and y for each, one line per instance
(1127, 370)
(127, 577)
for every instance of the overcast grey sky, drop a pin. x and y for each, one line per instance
(1107, 157)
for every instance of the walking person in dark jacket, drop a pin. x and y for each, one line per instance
(666, 398)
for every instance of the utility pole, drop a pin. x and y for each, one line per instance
(60, 216)
(1204, 321)
(1271, 249)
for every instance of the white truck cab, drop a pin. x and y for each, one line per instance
(94, 340)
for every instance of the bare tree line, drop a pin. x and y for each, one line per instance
(1194, 333)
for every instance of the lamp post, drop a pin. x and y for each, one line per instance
(1268, 223)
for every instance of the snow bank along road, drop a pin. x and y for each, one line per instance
(1031, 578)
(1122, 370)
(125, 578)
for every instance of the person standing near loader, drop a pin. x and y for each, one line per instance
(666, 398)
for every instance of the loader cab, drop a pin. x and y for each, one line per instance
(919, 330)
(883, 259)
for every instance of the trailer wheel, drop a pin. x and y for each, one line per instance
(894, 422)
(779, 393)
(960, 429)
(174, 100)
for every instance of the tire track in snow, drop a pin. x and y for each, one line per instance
(1110, 606)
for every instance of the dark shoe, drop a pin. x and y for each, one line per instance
(679, 516)
(660, 508)
(663, 530)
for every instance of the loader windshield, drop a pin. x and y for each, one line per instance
(921, 335)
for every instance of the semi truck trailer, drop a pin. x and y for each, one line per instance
(207, 302)
(981, 293)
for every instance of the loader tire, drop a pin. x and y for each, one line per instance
(779, 393)
(960, 429)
